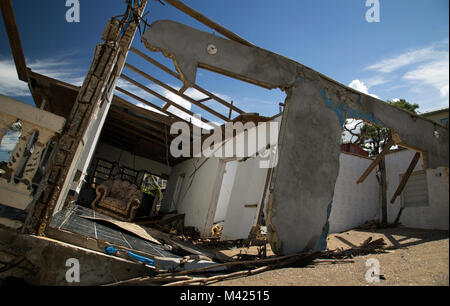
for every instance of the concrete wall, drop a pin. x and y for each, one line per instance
(83, 156)
(195, 192)
(434, 216)
(91, 140)
(354, 204)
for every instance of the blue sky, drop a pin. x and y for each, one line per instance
(405, 55)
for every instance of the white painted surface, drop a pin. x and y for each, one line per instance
(225, 191)
(248, 189)
(354, 204)
(198, 194)
(83, 155)
(90, 138)
(433, 216)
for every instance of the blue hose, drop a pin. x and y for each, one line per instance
(113, 251)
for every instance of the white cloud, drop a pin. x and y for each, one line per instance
(57, 68)
(375, 81)
(410, 57)
(360, 86)
(10, 85)
(444, 91)
(435, 74)
(425, 72)
(60, 69)
(396, 100)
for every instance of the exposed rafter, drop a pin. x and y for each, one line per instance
(208, 22)
(14, 39)
(174, 91)
(210, 96)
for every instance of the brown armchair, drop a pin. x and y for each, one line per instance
(118, 199)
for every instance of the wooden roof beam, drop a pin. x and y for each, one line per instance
(176, 75)
(15, 43)
(138, 128)
(176, 92)
(154, 93)
(208, 22)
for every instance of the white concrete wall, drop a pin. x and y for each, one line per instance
(198, 194)
(434, 216)
(90, 139)
(226, 191)
(83, 155)
(113, 154)
(354, 204)
(248, 189)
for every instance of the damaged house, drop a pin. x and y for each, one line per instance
(86, 154)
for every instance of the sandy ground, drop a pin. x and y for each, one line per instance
(418, 258)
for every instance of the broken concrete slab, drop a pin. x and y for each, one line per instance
(45, 262)
(192, 50)
(298, 208)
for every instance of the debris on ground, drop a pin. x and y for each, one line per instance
(243, 268)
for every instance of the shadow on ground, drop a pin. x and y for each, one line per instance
(396, 238)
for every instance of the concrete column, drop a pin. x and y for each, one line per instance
(307, 171)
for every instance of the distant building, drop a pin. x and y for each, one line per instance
(354, 149)
(439, 116)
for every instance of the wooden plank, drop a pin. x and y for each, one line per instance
(379, 158)
(176, 92)
(155, 63)
(208, 22)
(204, 100)
(231, 111)
(176, 75)
(124, 132)
(131, 130)
(141, 123)
(167, 120)
(154, 93)
(406, 177)
(14, 39)
(251, 206)
(218, 99)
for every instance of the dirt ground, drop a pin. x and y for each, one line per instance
(416, 258)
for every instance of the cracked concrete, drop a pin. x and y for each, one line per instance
(316, 109)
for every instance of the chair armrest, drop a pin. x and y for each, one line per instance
(133, 206)
(102, 192)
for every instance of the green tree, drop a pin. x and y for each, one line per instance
(373, 137)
